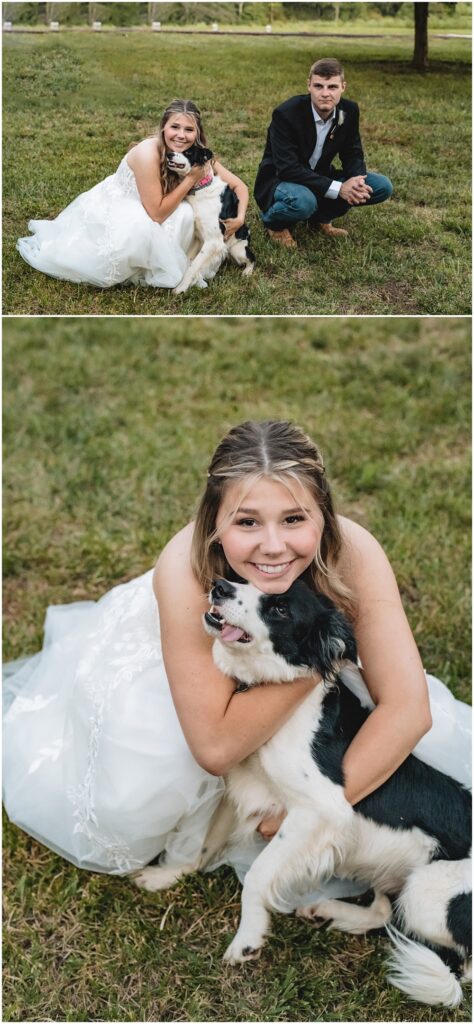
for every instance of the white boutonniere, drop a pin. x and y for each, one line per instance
(340, 120)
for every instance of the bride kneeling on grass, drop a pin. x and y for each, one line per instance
(117, 733)
(134, 226)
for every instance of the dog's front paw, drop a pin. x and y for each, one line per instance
(155, 879)
(180, 289)
(240, 951)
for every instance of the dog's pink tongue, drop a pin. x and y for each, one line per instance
(229, 632)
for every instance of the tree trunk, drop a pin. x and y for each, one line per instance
(420, 53)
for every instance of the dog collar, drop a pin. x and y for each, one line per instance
(203, 183)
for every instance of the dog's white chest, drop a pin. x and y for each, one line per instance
(286, 757)
(206, 204)
(282, 772)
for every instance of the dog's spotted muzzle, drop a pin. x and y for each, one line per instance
(222, 593)
(178, 163)
(226, 630)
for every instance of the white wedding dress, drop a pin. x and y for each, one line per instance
(95, 764)
(105, 237)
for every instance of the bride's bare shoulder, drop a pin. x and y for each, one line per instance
(173, 568)
(144, 153)
(352, 533)
(179, 546)
(358, 545)
(363, 562)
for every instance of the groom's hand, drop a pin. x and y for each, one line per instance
(355, 190)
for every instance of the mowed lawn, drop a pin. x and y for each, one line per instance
(108, 430)
(74, 102)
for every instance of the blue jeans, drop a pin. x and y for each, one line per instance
(292, 203)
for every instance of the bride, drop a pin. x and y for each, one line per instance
(116, 738)
(134, 226)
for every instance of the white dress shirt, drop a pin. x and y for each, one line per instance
(322, 130)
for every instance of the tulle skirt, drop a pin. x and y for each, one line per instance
(105, 237)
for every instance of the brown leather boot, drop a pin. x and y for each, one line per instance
(330, 232)
(283, 238)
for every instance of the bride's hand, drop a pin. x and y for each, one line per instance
(197, 173)
(231, 225)
(269, 826)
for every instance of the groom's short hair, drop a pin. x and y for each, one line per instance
(327, 67)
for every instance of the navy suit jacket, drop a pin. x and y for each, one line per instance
(291, 139)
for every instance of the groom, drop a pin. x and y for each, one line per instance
(296, 180)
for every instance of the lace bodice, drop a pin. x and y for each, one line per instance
(125, 179)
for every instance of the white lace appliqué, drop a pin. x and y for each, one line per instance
(97, 678)
(125, 180)
(118, 185)
(23, 705)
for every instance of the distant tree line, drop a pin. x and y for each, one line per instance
(123, 14)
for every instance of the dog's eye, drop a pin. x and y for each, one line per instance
(281, 610)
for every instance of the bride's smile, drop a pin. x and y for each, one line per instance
(269, 533)
(180, 133)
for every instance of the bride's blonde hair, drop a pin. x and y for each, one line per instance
(169, 181)
(279, 450)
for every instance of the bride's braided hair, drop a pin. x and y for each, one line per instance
(281, 451)
(169, 180)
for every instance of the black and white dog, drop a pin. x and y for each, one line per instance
(212, 201)
(410, 839)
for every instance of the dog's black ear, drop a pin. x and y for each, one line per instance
(203, 155)
(329, 641)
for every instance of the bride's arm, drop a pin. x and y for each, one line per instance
(221, 727)
(145, 166)
(392, 668)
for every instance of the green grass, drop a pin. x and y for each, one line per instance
(76, 101)
(108, 428)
